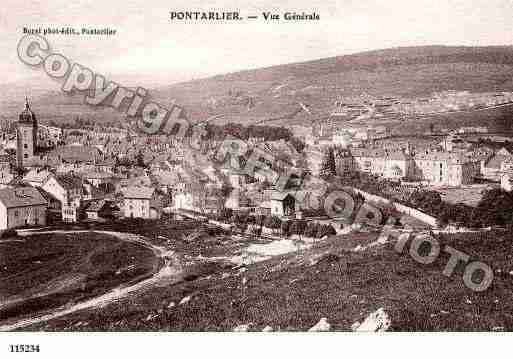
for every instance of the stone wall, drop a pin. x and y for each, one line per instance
(412, 212)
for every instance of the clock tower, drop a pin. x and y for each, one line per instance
(26, 135)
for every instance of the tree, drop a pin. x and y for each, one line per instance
(140, 160)
(225, 214)
(259, 220)
(268, 222)
(310, 229)
(275, 222)
(285, 228)
(328, 165)
(297, 228)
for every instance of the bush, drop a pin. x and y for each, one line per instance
(285, 228)
(259, 220)
(225, 214)
(297, 227)
(311, 229)
(272, 222)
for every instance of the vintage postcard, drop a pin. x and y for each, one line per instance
(273, 166)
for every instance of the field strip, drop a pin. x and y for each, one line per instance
(171, 268)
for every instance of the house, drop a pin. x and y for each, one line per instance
(183, 200)
(6, 177)
(68, 190)
(344, 161)
(369, 160)
(283, 204)
(237, 199)
(507, 180)
(100, 210)
(53, 209)
(36, 177)
(494, 166)
(21, 207)
(99, 179)
(141, 202)
(103, 182)
(482, 155)
(445, 169)
(398, 165)
(438, 168)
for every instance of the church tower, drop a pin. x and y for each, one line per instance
(26, 135)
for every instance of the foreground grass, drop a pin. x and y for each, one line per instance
(292, 292)
(45, 271)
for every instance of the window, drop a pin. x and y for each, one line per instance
(25, 145)
(16, 213)
(25, 155)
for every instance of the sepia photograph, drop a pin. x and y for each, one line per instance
(275, 167)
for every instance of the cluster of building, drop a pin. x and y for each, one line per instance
(366, 107)
(437, 168)
(451, 100)
(451, 161)
(46, 179)
(88, 175)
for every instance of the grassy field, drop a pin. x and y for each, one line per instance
(44, 271)
(292, 292)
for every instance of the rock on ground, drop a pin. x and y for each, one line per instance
(322, 326)
(378, 321)
(185, 300)
(242, 328)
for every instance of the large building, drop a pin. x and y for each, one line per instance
(445, 169)
(435, 168)
(26, 135)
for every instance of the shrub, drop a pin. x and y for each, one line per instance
(225, 214)
(311, 229)
(272, 222)
(297, 227)
(285, 228)
(259, 220)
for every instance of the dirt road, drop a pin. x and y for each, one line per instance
(168, 271)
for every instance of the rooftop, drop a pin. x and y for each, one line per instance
(21, 197)
(138, 192)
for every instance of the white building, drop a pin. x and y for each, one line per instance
(507, 181)
(68, 190)
(431, 167)
(36, 177)
(141, 202)
(21, 207)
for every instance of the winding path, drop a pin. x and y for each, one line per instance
(168, 271)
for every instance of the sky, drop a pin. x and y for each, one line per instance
(151, 50)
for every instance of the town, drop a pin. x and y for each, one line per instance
(238, 198)
(71, 175)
